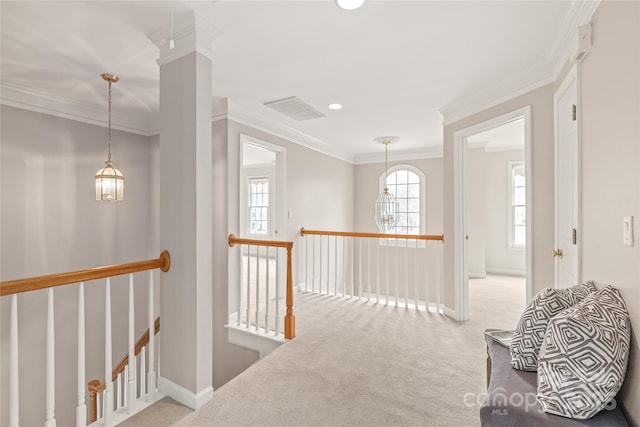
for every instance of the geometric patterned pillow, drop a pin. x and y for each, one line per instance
(584, 357)
(529, 332)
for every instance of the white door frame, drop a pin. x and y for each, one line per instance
(572, 76)
(461, 279)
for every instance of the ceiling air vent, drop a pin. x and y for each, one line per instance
(294, 108)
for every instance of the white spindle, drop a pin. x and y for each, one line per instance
(406, 273)
(306, 262)
(266, 296)
(353, 270)
(377, 243)
(313, 264)
(344, 266)
(99, 397)
(368, 270)
(248, 285)
(328, 264)
(131, 392)
(335, 263)
(257, 313)
(108, 364)
(14, 405)
(438, 267)
(151, 379)
(395, 250)
(277, 293)
(320, 267)
(388, 267)
(50, 420)
(359, 269)
(143, 371)
(81, 409)
(415, 272)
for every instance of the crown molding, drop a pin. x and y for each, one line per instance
(578, 13)
(397, 156)
(191, 33)
(518, 84)
(41, 102)
(243, 116)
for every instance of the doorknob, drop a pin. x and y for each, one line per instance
(557, 253)
(466, 237)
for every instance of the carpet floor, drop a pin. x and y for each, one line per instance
(355, 363)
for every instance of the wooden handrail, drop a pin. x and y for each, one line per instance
(439, 237)
(96, 386)
(289, 318)
(142, 341)
(233, 240)
(42, 282)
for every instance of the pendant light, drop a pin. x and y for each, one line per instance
(109, 180)
(387, 208)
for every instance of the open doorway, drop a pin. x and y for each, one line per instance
(492, 209)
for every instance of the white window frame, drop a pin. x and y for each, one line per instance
(423, 192)
(510, 210)
(268, 206)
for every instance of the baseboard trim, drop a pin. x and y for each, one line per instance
(507, 272)
(451, 313)
(478, 274)
(184, 396)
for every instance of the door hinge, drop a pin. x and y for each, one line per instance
(557, 253)
(575, 236)
(574, 113)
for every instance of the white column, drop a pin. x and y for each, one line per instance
(186, 209)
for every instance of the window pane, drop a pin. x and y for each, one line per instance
(402, 204)
(519, 215)
(413, 190)
(401, 192)
(519, 196)
(520, 235)
(413, 178)
(414, 219)
(413, 205)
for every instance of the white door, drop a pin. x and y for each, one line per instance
(566, 252)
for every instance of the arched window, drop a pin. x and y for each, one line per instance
(407, 184)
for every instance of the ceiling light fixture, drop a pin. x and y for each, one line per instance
(335, 106)
(109, 180)
(349, 4)
(387, 207)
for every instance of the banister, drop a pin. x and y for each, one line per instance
(233, 240)
(51, 280)
(289, 319)
(439, 237)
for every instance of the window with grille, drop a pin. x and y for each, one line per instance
(259, 206)
(406, 183)
(517, 205)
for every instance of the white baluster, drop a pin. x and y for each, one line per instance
(266, 297)
(306, 262)
(108, 364)
(368, 270)
(313, 264)
(257, 313)
(151, 376)
(353, 269)
(81, 409)
(335, 263)
(360, 269)
(397, 280)
(415, 272)
(143, 371)
(277, 292)
(50, 420)
(131, 392)
(320, 266)
(14, 404)
(248, 284)
(99, 398)
(388, 267)
(328, 264)
(377, 243)
(406, 273)
(344, 265)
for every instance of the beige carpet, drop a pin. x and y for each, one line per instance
(360, 364)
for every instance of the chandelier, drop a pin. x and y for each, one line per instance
(387, 208)
(109, 180)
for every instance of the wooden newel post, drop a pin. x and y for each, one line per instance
(95, 387)
(289, 318)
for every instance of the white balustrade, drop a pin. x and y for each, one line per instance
(81, 409)
(14, 404)
(400, 271)
(50, 419)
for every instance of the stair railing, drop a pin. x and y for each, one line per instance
(96, 387)
(393, 269)
(14, 287)
(253, 319)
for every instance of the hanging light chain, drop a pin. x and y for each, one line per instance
(109, 157)
(386, 169)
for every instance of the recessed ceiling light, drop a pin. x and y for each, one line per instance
(335, 106)
(350, 4)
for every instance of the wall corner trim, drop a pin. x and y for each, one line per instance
(184, 396)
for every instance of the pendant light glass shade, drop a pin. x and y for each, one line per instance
(387, 207)
(109, 184)
(109, 180)
(387, 211)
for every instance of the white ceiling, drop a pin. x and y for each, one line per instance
(394, 65)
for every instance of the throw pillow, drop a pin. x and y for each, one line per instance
(529, 333)
(583, 360)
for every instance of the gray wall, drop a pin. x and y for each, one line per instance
(51, 223)
(610, 165)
